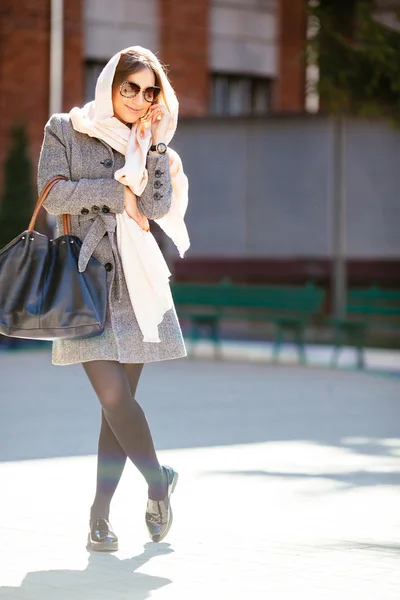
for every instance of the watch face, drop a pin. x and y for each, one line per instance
(161, 148)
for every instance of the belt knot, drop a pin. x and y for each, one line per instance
(103, 223)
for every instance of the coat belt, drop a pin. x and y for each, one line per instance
(103, 223)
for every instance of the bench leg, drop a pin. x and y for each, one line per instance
(216, 339)
(359, 343)
(360, 358)
(195, 335)
(355, 339)
(299, 333)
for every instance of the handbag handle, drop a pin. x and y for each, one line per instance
(45, 192)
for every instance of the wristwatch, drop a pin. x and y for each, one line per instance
(161, 148)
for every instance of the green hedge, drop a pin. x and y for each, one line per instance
(18, 196)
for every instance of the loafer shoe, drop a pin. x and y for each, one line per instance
(101, 537)
(159, 512)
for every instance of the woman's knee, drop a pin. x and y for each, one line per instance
(113, 400)
(110, 383)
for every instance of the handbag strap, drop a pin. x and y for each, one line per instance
(45, 192)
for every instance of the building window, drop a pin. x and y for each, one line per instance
(240, 95)
(93, 68)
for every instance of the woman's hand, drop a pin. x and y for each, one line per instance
(131, 207)
(160, 120)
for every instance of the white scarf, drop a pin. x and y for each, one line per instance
(146, 272)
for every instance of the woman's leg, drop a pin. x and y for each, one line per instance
(126, 420)
(111, 458)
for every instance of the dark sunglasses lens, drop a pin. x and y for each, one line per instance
(151, 93)
(129, 89)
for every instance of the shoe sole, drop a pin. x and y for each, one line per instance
(101, 547)
(174, 482)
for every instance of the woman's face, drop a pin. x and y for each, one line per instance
(129, 110)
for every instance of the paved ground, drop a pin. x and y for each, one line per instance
(289, 486)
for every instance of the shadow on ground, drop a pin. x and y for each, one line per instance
(48, 411)
(348, 480)
(90, 583)
(380, 549)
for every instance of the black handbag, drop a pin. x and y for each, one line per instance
(42, 294)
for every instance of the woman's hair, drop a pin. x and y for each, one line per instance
(133, 62)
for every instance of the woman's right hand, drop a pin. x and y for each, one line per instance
(131, 207)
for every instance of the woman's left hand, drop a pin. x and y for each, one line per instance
(160, 120)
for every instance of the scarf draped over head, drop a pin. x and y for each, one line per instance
(146, 273)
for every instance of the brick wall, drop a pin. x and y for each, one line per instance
(184, 48)
(24, 61)
(289, 93)
(184, 45)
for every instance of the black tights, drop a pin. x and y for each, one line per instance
(124, 432)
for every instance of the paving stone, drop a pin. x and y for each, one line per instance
(289, 484)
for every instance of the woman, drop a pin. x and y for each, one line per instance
(120, 173)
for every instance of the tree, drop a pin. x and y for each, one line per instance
(357, 50)
(358, 59)
(18, 197)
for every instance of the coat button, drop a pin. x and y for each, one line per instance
(95, 209)
(157, 196)
(157, 185)
(108, 267)
(158, 173)
(84, 211)
(107, 163)
(105, 209)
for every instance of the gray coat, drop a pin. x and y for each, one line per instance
(92, 197)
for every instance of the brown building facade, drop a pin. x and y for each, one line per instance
(207, 47)
(24, 66)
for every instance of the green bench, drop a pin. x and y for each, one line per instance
(288, 308)
(367, 308)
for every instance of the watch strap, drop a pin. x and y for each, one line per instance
(154, 147)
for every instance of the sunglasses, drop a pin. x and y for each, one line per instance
(128, 89)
